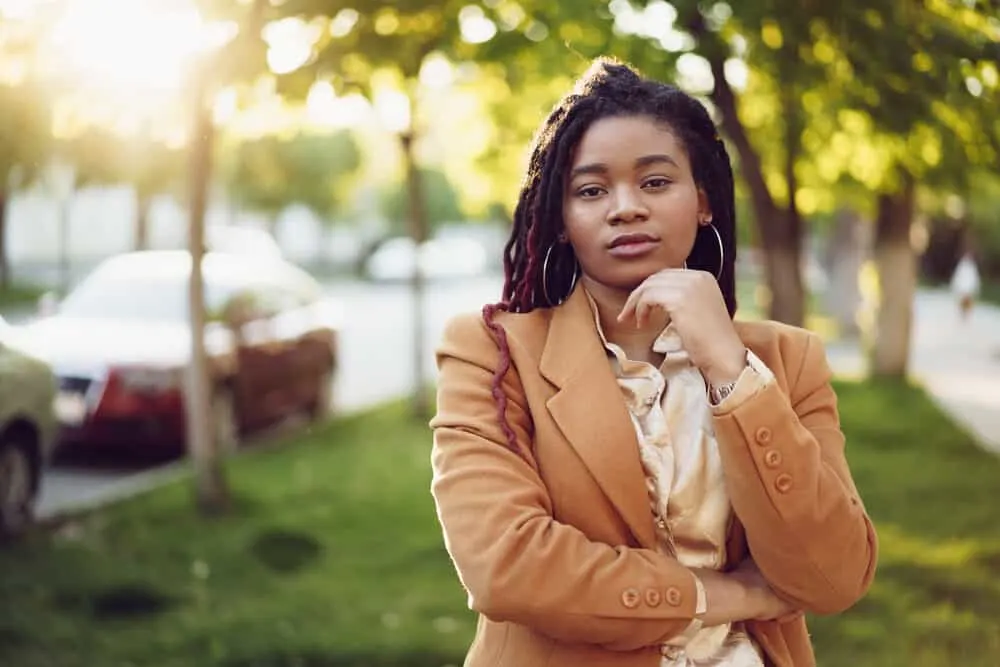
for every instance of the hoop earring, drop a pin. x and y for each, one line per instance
(545, 277)
(722, 250)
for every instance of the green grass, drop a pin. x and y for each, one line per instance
(20, 295)
(991, 293)
(333, 558)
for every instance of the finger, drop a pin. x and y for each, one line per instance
(628, 310)
(642, 312)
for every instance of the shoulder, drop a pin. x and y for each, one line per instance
(789, 351)
(472, 326)
(470, 330)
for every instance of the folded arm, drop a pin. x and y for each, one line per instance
(515, 560)
(791, 487)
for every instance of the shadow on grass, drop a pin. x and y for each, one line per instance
(132, 600)
(285, 550)
(11, 637)
(327, 659)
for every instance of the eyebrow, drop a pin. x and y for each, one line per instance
(644, 161)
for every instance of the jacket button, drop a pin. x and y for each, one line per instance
(674, 597)
(763, 435)
(772, 458)
(783, 482)
(653, 597)
(630, 598)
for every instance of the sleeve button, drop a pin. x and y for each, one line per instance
(674, 597)
(763, 435)
(783, 483)
(630, 598)
(653, 597)
(772, 458)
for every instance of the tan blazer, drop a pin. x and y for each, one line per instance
(555, 544)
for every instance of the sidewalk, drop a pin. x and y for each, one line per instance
(958, 363)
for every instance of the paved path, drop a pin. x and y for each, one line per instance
(957, 362)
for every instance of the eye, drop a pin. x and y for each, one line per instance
(590, 192)
(656, 182)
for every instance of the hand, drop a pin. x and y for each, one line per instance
(767, 604)
(694, 303)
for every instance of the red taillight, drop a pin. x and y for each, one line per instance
(122, 396)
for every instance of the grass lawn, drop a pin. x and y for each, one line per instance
(333, 559)
(991, 293)
(20, 295)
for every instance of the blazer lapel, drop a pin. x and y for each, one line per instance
(589, 409)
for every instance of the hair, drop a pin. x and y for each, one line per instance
(541, 272)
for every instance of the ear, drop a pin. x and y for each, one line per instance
(704, 209)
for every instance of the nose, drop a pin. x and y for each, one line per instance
(626, 206)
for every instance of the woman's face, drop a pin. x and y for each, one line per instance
(631, 206)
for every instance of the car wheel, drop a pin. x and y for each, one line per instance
(322, 405)
(225, 427)
(17, 488)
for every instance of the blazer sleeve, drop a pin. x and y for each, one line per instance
(517, 563)
(791, 487)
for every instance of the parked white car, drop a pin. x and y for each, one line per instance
(242, 241)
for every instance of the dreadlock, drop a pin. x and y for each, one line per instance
(539, 272)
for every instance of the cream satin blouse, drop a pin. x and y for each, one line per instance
(687, 493)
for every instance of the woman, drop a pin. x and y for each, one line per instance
(623, 474)
(965, 284)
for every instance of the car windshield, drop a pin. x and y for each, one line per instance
(158, 298)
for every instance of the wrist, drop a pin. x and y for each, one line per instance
(727, 370)
(729, 597)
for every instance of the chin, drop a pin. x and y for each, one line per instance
(621, 280)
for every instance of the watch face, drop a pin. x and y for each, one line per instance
(718, 394)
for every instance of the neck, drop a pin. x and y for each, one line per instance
(636, 342)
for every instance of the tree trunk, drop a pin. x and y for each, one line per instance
(897, 271)
(65, 217)
(143, 202)
(417, 219)
(780, 232)
(844, 257)
(211, 489)
(4, 260)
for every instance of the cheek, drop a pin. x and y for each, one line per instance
(578, 222)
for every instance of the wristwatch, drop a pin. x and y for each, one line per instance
(718, 394)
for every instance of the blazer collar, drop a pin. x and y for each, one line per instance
(589, 410)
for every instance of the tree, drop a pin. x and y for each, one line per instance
(372, 41)
(25, 124)
(916, 84)
(149, 166)
(269, 173)
(241, 56)
(152, 168)
(441, 199)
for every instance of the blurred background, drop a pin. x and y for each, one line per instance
(237, 227)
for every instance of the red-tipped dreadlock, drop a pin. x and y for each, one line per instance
(607, 89)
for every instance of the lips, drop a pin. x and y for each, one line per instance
(631, 239)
